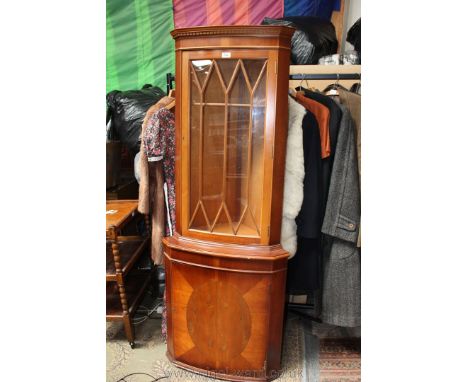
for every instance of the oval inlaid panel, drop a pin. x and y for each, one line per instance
(215, 311)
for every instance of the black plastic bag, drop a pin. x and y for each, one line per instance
(127, 109)
(354, 36)
(314, 38)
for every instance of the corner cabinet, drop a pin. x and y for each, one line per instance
(225, 268)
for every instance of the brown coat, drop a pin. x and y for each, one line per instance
(151, 194)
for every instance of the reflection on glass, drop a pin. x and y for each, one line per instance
(258, 128)
(201, 69)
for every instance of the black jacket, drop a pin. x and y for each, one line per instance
(303, 268)
(317, 170)
(309, 219)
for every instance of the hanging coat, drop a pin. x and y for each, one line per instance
(341, 299)
(304, 268)
(293, 177)
(304, 226)
(151, 193)
(353, 102)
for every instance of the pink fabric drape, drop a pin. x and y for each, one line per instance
(189, 13)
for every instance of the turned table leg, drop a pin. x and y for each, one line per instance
(123, 297)
(126, 318)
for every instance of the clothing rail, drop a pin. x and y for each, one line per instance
(170, 78)
(326, 76)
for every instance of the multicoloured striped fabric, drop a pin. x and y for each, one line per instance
(225, 12)
(140, 49)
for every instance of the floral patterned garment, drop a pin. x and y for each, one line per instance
(159, 144)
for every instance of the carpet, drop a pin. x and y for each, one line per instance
(340, 360)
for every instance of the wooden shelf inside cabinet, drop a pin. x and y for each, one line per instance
(135, 285)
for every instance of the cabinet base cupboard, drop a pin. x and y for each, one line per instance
(225, 268)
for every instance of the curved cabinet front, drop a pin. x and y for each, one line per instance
(225, 313)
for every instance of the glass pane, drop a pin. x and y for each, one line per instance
(256, 171)
(213, 157)
(253, 69)
(195, 89)
(214, 92)
(223, 223)
(239, 92)
(194, 156)
(195, 150)
(226, 67)
(237, 161)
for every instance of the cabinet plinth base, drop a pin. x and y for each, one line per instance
(225, 306)
(218, 375)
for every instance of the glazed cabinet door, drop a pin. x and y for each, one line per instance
(225, 130)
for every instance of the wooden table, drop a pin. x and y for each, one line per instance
(125, 283)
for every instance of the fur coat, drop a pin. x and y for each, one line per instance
(293, 177)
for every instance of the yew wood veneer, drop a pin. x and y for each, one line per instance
(225, 268)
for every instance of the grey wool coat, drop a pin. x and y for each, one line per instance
(341, 299)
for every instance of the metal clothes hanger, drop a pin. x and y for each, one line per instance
(301, 91)
(356, 88)
(311, 88)
(293, 92)
(333, 89)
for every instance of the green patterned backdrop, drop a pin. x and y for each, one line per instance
(140, 49)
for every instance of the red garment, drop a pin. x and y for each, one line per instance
(322, 114)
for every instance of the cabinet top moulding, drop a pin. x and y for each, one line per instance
(247, 36)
